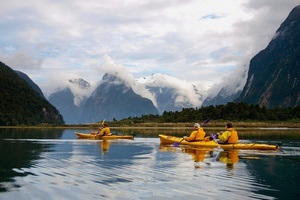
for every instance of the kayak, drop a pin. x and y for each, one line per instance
(165, 139)
(107, 137)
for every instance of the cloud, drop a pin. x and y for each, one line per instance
(193, 41)
(109, 66)
(184, 92)
(231, 83)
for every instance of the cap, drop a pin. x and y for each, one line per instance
(197, 125)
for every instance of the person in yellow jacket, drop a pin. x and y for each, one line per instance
(197, 135)
(230, 136)
(105, 130)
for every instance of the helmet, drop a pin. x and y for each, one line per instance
(197, 125)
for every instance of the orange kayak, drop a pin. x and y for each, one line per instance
(165, 139)
(92, 136)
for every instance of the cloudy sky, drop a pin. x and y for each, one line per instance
(191, 40)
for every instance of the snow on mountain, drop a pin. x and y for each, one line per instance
(81, 90)
(171, 94)
(115, 99)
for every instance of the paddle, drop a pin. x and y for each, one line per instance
(178, 143)
(214, 137)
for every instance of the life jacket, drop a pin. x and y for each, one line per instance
(197, 135)
(201, 134)
(105, 131)
(233, 138)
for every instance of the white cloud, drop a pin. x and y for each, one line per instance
(53, 41)
(185, 92)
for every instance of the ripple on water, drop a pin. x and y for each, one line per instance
(133, 170)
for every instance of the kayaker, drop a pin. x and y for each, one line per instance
(230, 136)
(197, 135)
(105, 130)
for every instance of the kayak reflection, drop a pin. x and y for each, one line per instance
(105, 145)
(197, 154)
(206, 156)
(229, 157)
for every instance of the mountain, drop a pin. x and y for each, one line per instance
(221, 98)
(274, 73)
(31, 83)
(171, 94)
(21, 104)
(69, 102)
(229, 89)
(114, 99)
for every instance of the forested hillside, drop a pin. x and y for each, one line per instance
(21, 105)
(231, 111)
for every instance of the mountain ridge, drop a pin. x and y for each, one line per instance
(21, 104)
(274, 76)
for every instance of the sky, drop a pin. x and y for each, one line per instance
(195, 41)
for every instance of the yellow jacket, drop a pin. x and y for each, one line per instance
(196, 135)
(229, 136)
(105, 131)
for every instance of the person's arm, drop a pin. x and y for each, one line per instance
(192, 136)
(102, 131)
(224, 136)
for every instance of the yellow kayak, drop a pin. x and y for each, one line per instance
(92, 136)
(165, 139)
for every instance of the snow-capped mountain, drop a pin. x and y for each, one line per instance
(115, 99)
(70, 99)
(171, 94)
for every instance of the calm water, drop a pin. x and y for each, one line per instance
(54, 164)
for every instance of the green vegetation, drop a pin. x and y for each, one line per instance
(21, 105)
(229, 112)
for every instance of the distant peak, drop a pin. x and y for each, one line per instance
(81, 83)
(112, 77)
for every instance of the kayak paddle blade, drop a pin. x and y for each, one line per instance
(176, 144)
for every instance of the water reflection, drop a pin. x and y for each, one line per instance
(16, 155)
(68, 168)
(29, 133)
(105, 145)
(206, 156)
(229, 157)
(253, 133)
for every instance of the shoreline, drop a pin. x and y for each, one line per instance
(210, 125)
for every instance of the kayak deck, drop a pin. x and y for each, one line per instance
(107, 137)
(165, 139)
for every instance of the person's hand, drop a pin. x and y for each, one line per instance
(214, 136)
(184, 137)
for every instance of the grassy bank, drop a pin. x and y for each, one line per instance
(211, 124)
